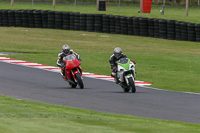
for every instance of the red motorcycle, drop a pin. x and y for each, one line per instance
(73, 71)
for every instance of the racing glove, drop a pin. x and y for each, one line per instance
(114, 69)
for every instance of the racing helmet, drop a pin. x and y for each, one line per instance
(117, 52)
(66, 49)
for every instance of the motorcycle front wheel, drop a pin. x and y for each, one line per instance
(79, 80)
(126, 89)
(72, 85)
(132, 85)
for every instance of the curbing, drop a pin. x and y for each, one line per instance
(57, 70)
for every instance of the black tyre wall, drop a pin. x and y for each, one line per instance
(140, 26)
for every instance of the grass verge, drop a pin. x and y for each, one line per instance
(19, 116)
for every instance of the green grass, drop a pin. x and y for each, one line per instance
(19, 116)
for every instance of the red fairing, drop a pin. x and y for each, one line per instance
(71, 64)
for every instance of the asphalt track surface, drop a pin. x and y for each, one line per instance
(99, 95)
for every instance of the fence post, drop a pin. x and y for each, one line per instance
(97, 5)
(54, 3)
(118, 6)
(74, 4)
(12, 1)
(186, 7)
(163, 8)
(141, 6)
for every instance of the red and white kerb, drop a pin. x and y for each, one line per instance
(57, 69)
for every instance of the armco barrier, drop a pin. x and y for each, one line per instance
(140, 26)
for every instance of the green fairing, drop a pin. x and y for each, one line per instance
(126, 66)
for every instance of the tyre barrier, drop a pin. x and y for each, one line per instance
(114, 24)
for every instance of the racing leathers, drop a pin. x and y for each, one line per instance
(113, 62)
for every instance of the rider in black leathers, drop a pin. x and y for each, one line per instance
(117, 55)
(65, 51)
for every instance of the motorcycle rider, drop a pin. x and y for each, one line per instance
(117, 55)
(65, 51)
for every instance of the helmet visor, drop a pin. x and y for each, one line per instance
(117, 55)
(66, 51)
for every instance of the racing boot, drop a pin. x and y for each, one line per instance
(116, 80)
(63, 74)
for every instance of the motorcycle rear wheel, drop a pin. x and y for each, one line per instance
(79, 80)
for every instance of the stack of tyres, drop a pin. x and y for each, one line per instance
(11, 18)
(106, 23)
(184, 31)
(130, 25)
(72, 20)
(98, 22)
(136, 26)
(66, 20)
(44, 19)
(143, 26)
(191, 32)
(31, 20)
(37, 18)
(197, 29)
(163, 28)
(124, 25)
(177, 30)
(5, 17)
(18, 18)
(118, 24)
(112, 24)
(51, 19)
(1, 18)
(171, 33)
(24, 16)
(83, 19)
(156, 28)
(77, 21)
(59, 20)
(151, 27)
(90, 22)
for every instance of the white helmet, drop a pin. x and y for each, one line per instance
(117, 52)
(66, 49)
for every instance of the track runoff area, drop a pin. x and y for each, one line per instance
(57, 69)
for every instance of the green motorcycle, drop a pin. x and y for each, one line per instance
(126, 74)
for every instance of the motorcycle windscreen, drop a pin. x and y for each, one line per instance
(124, 62)
(71, 61)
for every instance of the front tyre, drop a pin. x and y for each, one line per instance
(126, 89)
(72, 85)
(79, 80)
(132, 85)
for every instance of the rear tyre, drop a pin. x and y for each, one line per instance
(79, 80)
(132, 85)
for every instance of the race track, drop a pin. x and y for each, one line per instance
(48, 87)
